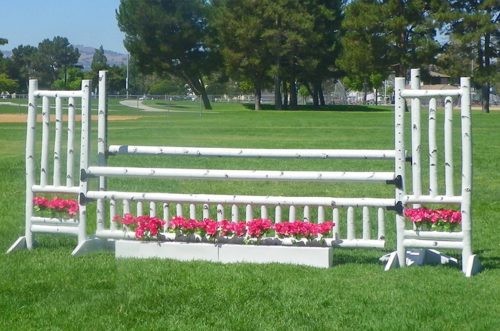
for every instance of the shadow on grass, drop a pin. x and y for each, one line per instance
(349, 108)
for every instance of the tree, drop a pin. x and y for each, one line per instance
(475, 25)
(240, 30)
(7, 84)
(23, 64)
(54, 56)
(317, 59)
(99, 62)
(170, 37)
(364, 45)
(388, 36)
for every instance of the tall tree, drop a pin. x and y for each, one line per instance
(23, 64)
(241, 28)
(364, 45)
(170, 37)
(475, 25)
(55, 56)
(99, 62)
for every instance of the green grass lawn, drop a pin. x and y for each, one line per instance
(47, 289)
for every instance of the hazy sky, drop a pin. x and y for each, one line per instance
(83, 22)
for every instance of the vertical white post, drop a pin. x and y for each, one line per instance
(433, 153)
(366, 223)
(102, 123)
(139, 208)
(399, 165)
(416, 137)
(291, 214)
(30, 160)
(321, 214)
(57, 143)
(45, 141)
(350, 224)
(277, 214)
(307, 214)
(336, 220)
(112, 214)
(192, 211)
(70, 148)
(152, 209)
(263, 213)
(206, 211)
(248, 213)
(381, 224)
(166, 213)
(126, 207)
(220, 212)
(178, 210)
(448, 146)
(84, 157)
(466, 171)
(234, 213)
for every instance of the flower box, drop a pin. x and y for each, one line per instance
(320, 257)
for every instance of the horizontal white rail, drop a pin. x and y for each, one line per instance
(430, 93)
(53, 220)
(61, 94)
(55, 228)
(433, 244)
(411, 234)
(254, 153)
(440, 199)
(240, 174)
(55, 189)
(356, 243)
(242, 199)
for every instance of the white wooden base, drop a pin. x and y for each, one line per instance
(19, 244)
(320, 257)
(421, 256)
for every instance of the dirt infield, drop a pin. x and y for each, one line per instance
(21, 118)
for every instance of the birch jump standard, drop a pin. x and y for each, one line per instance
(413, 247)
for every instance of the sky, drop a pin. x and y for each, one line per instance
(83, 22)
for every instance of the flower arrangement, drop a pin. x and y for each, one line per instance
(147, 227)
(434, 219)
(56, 206)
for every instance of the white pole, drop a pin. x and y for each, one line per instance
(70, 151)
(84, 157)
(466, 171)
(57, 144)
(381, 224)
(234, 213)
(220, 212)
(307, 214)
(336, 220)
(102, 114)
(416, 137)
(433, 153)
(321, 214)
(350, 224)
(366, 223)
(399, 166)
(45, 141)
(448, 146)
(30, 160)
(277, 214)
(206, 211)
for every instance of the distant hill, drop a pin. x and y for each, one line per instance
(86, 54)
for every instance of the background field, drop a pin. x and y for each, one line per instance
(48, 289)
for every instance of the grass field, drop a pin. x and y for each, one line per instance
(47, 289)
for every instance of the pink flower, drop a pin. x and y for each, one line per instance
(41, 202)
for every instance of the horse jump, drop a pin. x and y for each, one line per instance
(110, 203)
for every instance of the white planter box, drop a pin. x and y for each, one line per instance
(320, 257)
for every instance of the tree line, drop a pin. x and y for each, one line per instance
(289, 46)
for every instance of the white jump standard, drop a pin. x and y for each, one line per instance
(112, 202)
